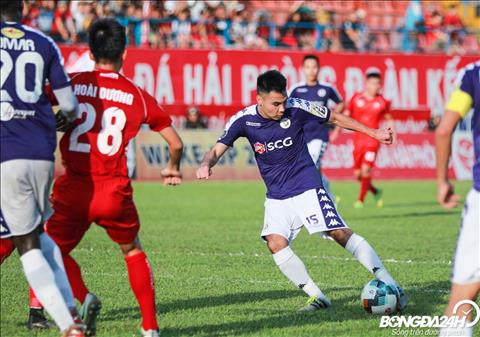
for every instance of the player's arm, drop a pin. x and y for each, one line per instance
(233, 130)
(59, 82)
(346, 122)
(171, 174)
(159, 121)
(458, 106)
(211, 158)
(389, 118)
(339, 108)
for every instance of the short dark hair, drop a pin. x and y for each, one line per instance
(107, 39)
(374, 75)
(12, 10)
(311, 57)
(271, 80)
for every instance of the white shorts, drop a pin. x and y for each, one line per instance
(313, 209)
(466, 267)
(25, 188)
(316, 149)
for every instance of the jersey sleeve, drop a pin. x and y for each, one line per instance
(461, 99)
(233, 131)
(156, 118)
(57, 77)
(335, 96)
(308, 111)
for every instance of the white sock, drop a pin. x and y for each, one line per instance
(294, 269)
(366, 255)
(54, 258)
(456, 332)
(42, 280)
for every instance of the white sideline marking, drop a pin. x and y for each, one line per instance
(224, 280)
(321, 257)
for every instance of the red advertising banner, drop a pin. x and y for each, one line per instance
(222, 82)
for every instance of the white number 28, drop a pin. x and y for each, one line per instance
(109, 139)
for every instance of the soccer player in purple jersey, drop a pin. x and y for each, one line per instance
(28, 141)
(316, 134)
(295, 194)
(466, 269)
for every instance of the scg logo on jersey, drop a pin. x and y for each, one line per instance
(271, 146)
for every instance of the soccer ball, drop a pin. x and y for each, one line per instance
(380, 298)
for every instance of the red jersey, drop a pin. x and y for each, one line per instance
(111, 109)
(368, 112)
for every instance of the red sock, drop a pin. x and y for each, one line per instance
(365, 183)
(34, 302)
(371, 188)
(74, 274)
(142, 283)
(6, 248)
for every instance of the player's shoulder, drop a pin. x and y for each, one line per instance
(469, 72)
(36, 34)
(326, 85)
(298, 86)
(380, 98)
(245, 114)
(356, 96)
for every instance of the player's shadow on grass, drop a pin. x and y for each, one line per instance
(273, 315)
(426, 298)
(409, 215)
(203, 302)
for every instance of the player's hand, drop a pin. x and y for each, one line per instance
(62, 123)
(386, 136)
(204, 172)
(171, 177)
(446, 196)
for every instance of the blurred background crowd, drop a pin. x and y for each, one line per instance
(359, 25)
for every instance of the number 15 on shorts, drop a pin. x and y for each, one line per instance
(312, 219)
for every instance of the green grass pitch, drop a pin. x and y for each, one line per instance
(215, 277)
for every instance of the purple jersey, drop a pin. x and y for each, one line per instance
(323, 94)
(279, 146)
(28, 60)
(465, 97)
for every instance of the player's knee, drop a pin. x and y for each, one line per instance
(25, 243)
(130, 249)
(276, 243)
(365, 172)
(357, 174)
(341, 236)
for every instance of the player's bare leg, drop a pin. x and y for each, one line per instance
(366, 255)
(294, 269)
(460, 292)
(142, 283)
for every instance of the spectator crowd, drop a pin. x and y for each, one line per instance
(356, 25)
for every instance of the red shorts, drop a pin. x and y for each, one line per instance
(79, 201)
(364, 155)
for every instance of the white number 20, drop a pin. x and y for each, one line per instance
(109, 138)
(28, 57)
